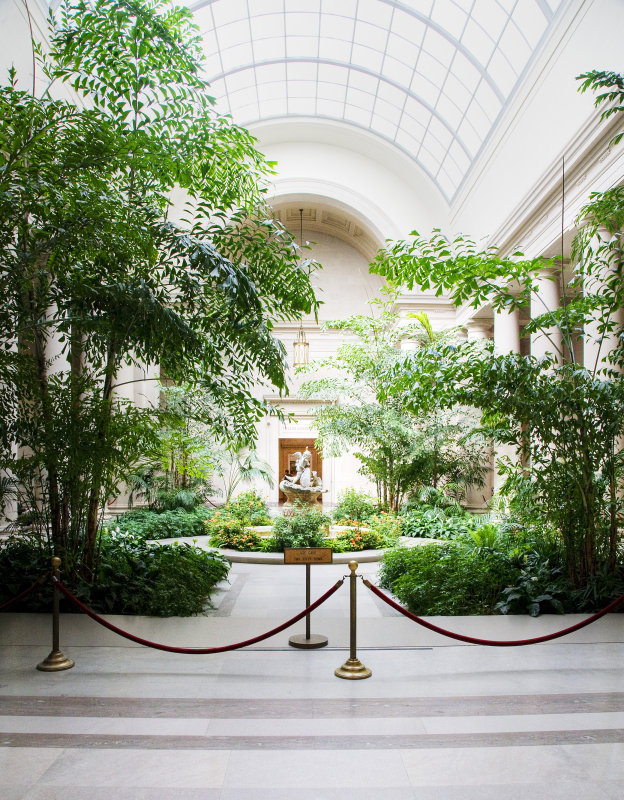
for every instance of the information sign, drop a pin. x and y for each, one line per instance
(308, 555)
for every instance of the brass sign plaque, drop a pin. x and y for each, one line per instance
(308, 555)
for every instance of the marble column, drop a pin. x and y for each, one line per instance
(545, 299)
(478, 329)
(506, 341)
(597, 346)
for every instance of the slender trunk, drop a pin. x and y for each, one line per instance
(97, 476)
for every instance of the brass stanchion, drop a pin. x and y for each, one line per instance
(353, 669)
(56, 660)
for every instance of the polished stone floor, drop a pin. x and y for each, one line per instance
(438, 720)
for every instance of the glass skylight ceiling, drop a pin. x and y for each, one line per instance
(430, 76)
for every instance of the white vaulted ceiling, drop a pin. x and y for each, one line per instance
(430, 76)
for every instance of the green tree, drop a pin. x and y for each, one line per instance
(92, 256)
(565, 419)
(398, 448)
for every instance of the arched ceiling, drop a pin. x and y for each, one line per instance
(430, 76)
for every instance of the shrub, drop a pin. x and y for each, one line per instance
(306, 528)
(359, 540)
(388, 526)
(131, 576)
(448, 579)
(354, 505)
(237, 538)
(434, 523)
(176, 524)
(250, 508)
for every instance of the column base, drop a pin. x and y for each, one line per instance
(353, 670)
(55, 662)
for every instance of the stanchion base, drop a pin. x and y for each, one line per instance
(316, 640)
(353, 670)
(55, 662)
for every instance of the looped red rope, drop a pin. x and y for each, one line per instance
(196, 650)
(493, 642)
(23, 594)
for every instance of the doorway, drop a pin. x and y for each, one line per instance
(288, 448)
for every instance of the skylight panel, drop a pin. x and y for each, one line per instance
(269, 73)
(212, 65)
(367, 58)
(384, 126)
(299, 5)
(246, 114)
(301, 88)
(449, 111)
(233, 34)
(225, 11)
(440, 132)
(332, 91)
(505, 76)
(370, 35)
(335, 50)
(488, 101)
(355, 97)
(396, 71)
(269, 49)
(431, 67)
(302, 46)
(417, 111)
(240, 80)
(388, 111)
(476, 40)
(234, 57)
(420, 6)
(273, 108)
(403, 51)
(428, 160)
(459, 156)
(271, 91)
(301, 106)
(302, 24)
(331, 73)
(364, 82)
(515, 47)
(329, 108)
(469, 137)
(267, 26)
(478, 119)
(301, 71)
(529, 17)
(466, 72)
(357, 114)
(422, 87)
(243, 97)
(449, 16)
(456, 91)
(405, 139)
(261, 7)
(490, 17)
(408, 27)
(336, 26)
(446, 183)
(391, 94)
(375, 12)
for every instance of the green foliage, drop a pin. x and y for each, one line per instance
(432, 523)
(447, 579)
(359, 539)
(537, 589)
(132, 577)
(399, 447)
(174, 524)
(233, 536)
(354, 504)
(613, 83)
(306, 528)
(250, 508)
(100, 264)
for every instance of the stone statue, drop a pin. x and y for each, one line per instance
(305, 486)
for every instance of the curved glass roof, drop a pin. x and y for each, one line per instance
(430, 76)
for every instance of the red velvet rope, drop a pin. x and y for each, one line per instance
(493, 642)
(23, 594)
(196, 650)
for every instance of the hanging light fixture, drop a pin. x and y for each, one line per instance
(301, 347)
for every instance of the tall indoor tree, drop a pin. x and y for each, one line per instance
(95, 258)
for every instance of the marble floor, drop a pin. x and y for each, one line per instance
(438, 720)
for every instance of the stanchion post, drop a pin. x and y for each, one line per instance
(56, 660)
(353, 669)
